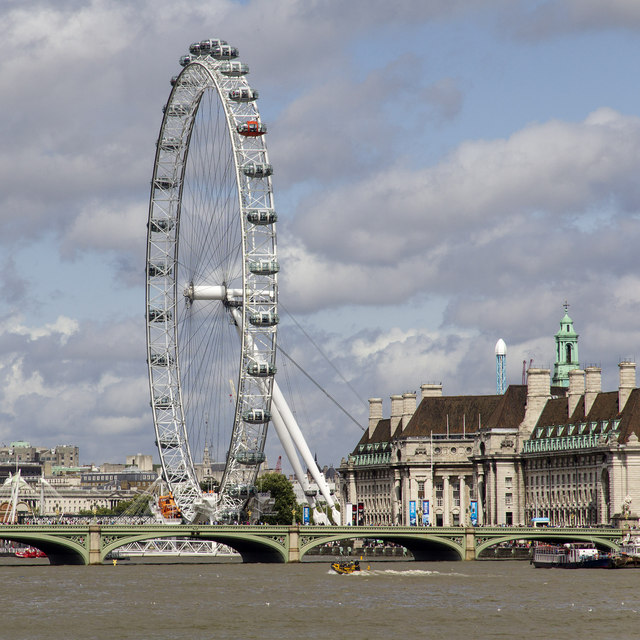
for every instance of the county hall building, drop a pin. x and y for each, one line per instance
(557, 448)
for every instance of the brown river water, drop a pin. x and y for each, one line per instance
(472, 600)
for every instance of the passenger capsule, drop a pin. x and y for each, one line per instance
(170, 144)
(224, 52)
(256, 416)
(261, 369)
(195, 48)
(251, 129)
(165, 183)
(162, 403)
(207, 46)
(185, 60)
(159, 270)
(257, 170)
(159, 225)
(173, 80)
(179, 110)
(264, 319)
(311, 493)
(261, 216)
(241, 491)
(250, 457)
(169, 442)
(161, 360)
(243, 95)
(159, 315)
(233, 69)
(264, 267)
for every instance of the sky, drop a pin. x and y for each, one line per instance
(446, 173)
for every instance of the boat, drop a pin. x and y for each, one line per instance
(570, 556)
(629, 555)
(346, 566)
(30, 552)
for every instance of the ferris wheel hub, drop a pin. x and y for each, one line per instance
(212, 292)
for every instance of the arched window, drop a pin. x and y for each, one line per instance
(569, 353)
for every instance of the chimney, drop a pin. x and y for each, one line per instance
(430, 390)
(593, 386)
(396, 413)
(375, 414)
(538, 392)
(408, 407)
(627, 382)
(576, 389)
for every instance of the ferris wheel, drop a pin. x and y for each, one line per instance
(212, 291)
(211, 296)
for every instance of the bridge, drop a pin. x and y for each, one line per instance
(90, 544)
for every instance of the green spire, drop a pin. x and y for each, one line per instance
(566, 350)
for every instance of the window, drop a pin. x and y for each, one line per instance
(508, 498)
(439, 495)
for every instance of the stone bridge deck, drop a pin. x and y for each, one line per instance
(91, 544)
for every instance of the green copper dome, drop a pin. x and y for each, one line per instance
(566, 350)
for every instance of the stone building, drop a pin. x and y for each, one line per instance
(567, 453)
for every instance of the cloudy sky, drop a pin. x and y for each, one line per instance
(447, 173)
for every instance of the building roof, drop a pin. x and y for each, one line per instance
(509, 412)
(455, 414)
(630, 418)
(382, 433)
(555, 412)
(603, 417)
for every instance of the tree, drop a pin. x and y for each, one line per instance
(281, 491)
(138, 506)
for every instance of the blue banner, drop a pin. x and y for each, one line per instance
(412, 513)
(425, 513)
(473, 512)
(305, 514)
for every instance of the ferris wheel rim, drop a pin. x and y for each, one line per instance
(251, 304)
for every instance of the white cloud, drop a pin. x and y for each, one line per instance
(503, 226)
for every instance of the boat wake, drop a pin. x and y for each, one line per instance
(364, 572)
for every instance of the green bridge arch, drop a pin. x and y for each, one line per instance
(423, 547)
(250, 546)
(61, 550)
(553, 536)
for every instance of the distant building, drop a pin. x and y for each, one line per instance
(570, 453)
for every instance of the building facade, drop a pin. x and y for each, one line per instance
(567, 453)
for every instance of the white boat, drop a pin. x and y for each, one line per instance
(569, 556)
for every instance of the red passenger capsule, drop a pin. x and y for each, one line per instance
(252, 128)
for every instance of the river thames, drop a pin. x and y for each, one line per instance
(391, 600)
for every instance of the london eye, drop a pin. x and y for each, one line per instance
(212, 291)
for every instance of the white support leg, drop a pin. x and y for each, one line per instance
(290, 451)
(301, 444)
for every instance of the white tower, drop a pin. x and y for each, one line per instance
(501, 367)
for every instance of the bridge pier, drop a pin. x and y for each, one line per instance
(95, 539)
(294, 544)
(469, 543)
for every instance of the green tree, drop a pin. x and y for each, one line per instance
(137, 507)
(281, 491)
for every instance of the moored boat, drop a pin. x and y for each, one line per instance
(30, 552)
(570, 556)
(628, 557)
